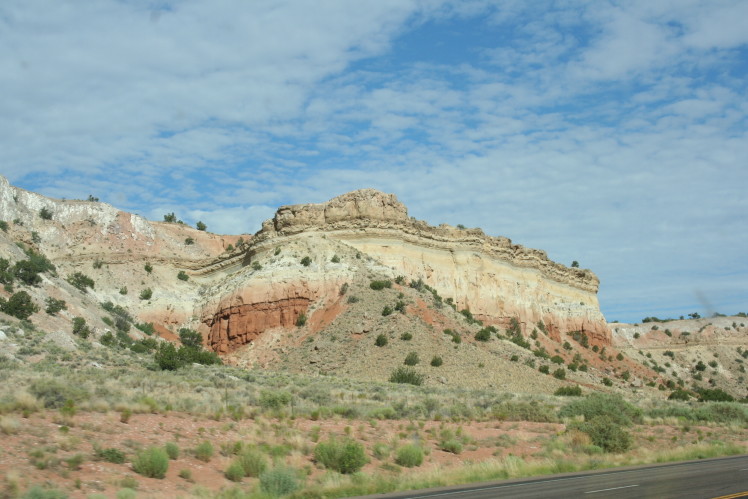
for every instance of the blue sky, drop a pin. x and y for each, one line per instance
(612, 133)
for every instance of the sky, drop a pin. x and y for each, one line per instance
(611, 133)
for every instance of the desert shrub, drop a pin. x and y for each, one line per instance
(483, 335)
(54, 305)
(200, 225)
(680, 395)
(436, 361)
(352, 299)
(722, 412)
(80, 328)
(619, 356)
(559, 373)
(344, 456)
(387, 310)
(601, 404)
(204, 451)
(409, 456)
(569, 391)
(714, 395)
(406, 336)
(167, 357)
(19, 305)
(306, 261)
(400, 306)
(279, 481)
(189, 241)
(406, 375)
(301, 319)
(544, 369)
(182, 276)
(524, 411)
(607, 382)
(3, 225)
(39, 492)
(606, 433)
(190, 338)
(172, 450)
(252, 462)
(381, 340)
(379, 285)
(110, 455)
(148, 267)
(152, 462)
(274, 400)
(557, 359)
(45, 213)
(80, 281)
(146, 294)
(147, 327)
(451, 445)
(234, 472)
(411, 359)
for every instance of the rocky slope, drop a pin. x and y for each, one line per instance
(297, 296)
(493, 278)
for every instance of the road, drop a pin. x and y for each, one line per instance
(708, 478)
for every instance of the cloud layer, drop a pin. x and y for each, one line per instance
(615, 135)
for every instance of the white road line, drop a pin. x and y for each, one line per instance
(614, 488)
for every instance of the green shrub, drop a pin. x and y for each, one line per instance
(45, 213)
(111, 455)
(387, 310)
(80, 328)
(381, 340)
(252, 462)
(406, 336)
(569, 391)
(306, 261)
(279, 481)
(436, 361)
(182, 276)
(451, 445)
(602, 404)
(714, 395)
(559, 373)
(409, 456)
(19, 305)
(146, 294)
(189, 241)
(619, 356)
(172, 450)
(524, 411)
(80, 281)
(557, 359)
(301, 320)
(344, 456)
(148, 267)
(204, 451)
(411, 359)
(606, 433)
(483, 335)
(406, 375)
(379, 285)
(275, 399)
(544, 369)
(607, 382)
(200, 225)
(234, 472)
(152, 462)
(3, 225)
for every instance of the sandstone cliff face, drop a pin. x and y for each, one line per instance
(495, 279)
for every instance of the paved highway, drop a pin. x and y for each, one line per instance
(724, 478)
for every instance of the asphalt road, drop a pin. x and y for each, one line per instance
(709, 478)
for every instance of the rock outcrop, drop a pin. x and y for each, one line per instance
(493, 278)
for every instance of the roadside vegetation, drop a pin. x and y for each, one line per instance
(221, 431)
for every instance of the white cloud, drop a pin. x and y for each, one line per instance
(612, 135)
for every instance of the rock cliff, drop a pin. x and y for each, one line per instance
(493, 278)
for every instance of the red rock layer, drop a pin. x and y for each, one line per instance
(238, 325)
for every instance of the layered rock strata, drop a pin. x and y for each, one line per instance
(493, 278)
